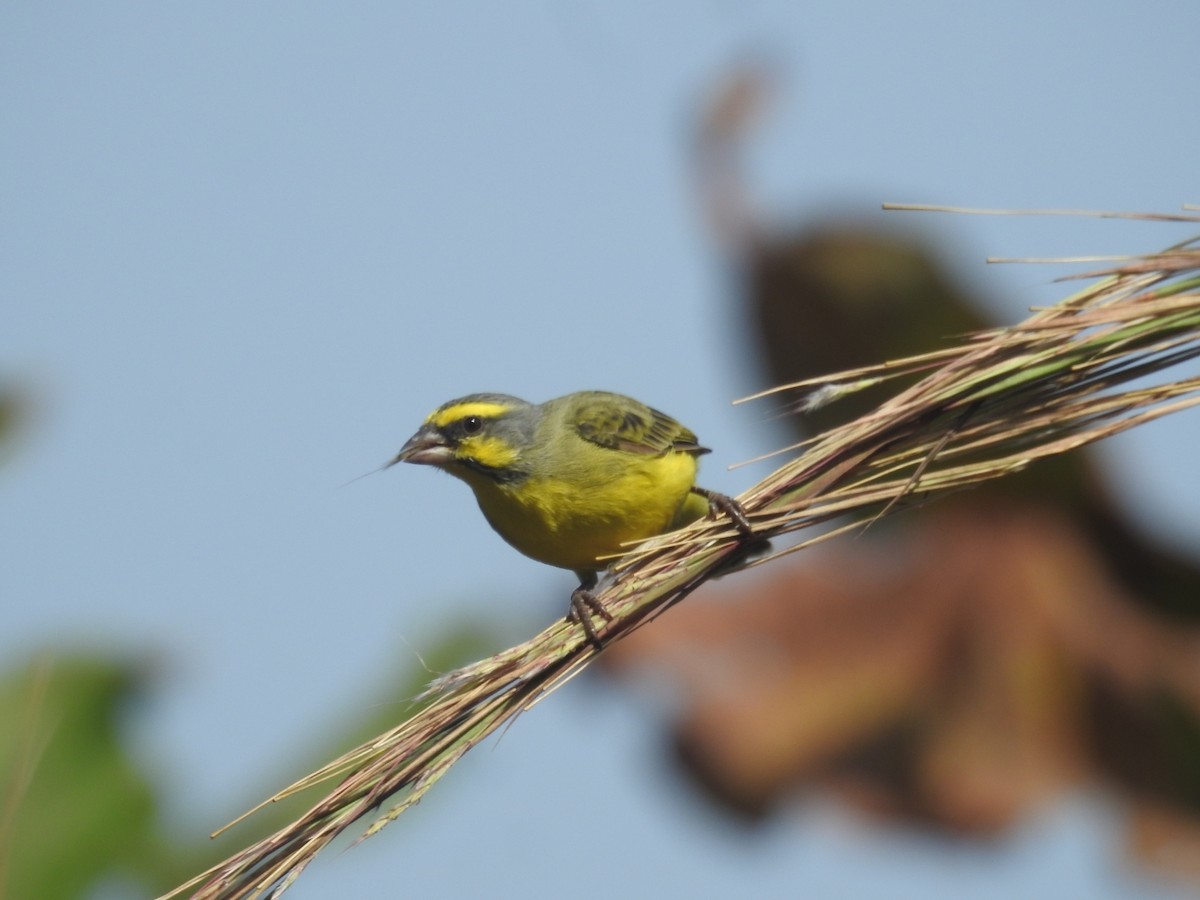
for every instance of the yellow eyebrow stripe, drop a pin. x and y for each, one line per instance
(442, 417)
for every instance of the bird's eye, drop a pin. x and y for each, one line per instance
(472, 424)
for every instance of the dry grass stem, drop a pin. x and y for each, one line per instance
(1002, 399)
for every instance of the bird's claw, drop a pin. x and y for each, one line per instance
(718, 502)
(584, 605)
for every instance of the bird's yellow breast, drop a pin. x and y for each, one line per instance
(595, 504)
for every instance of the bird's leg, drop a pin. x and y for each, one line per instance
(726, 504)
(584, 604)
(751, 545)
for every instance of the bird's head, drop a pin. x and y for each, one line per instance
(480, 434)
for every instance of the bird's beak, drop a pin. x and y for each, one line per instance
(426, 447)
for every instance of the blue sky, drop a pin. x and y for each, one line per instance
(246, 249)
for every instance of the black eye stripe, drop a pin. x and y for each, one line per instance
(471, 424)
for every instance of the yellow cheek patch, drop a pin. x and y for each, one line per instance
(488, 451)
(448, 415)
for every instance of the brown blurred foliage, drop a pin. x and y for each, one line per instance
(957, 666)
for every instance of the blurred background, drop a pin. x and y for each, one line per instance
(245, 251)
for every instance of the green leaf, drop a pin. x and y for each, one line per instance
(74, 809)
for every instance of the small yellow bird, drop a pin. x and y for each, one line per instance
(573, 481)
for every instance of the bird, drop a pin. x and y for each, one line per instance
(574, 481)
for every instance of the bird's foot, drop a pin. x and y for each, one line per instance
(722, 503)
(584, 605)
(752, 546)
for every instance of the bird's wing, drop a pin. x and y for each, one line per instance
(620, 423)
